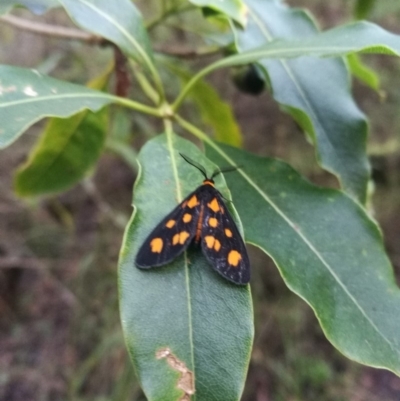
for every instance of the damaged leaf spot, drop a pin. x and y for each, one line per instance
(29, 91)
(186, 379)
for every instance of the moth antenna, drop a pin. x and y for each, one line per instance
(194, 164)
(225, 170)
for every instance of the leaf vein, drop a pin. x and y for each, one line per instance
(308, 243)
(124, 32)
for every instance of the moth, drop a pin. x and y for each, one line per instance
(201, 218)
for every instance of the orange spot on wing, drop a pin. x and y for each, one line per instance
(175, 239)
(209, 241)
(187, 218)
(193, 201)
(170, 223)
(213, 222)
(217, 245)
(213, 205)
(228, 232)
(234, 258)
(156, 245)
(183, 236)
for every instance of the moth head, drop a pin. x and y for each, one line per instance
(203, 170)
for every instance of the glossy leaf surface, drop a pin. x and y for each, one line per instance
(67, 149)
(315, 92)
(184, 309)
(118, 21)
(328, 251)
(27, 97)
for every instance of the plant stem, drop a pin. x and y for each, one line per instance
(50, 30)
(147, 88)
(193, 130)
(168, 126)
(187, 88)
(136, 106)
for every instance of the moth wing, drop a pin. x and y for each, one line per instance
(222, 244)
(171, 236)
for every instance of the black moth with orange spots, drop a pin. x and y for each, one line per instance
(201, 217)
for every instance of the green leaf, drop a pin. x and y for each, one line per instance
(63, 155)
(363, 8)
(338, 127)
(214, 111)
(235, 9)
(315, 92)
(364, 73)
(35, 6)
(27, 96)
(118, 21)
(66, 151)
(217, 113)
(365, 37)
(185, 307)
(358, 37)
(327, 250)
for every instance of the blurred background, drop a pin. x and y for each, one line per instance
(60, 335)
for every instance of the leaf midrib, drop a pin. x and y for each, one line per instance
(310, 245)
(296, 83)
(306, 241)
(172, 153)
(58, 97)
(123, 31)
